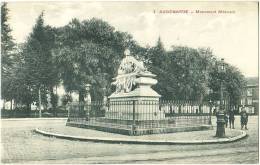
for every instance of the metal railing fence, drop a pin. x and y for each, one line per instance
(140, 114)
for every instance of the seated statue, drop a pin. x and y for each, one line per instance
(127, 72)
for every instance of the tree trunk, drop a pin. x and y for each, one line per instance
(4, 104)
(53, 101)
(40, 103)
(28, 105)
(11, 107)
(81, 96)
(15, 104)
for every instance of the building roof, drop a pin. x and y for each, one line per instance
(252, 81)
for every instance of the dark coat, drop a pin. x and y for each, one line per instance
(243, 117)
(231, 115)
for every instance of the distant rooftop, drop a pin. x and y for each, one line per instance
(252, 80)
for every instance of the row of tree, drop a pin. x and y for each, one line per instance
(89, 52)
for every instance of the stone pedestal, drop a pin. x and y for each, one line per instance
(141, 104)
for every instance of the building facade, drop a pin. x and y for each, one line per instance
(250, 97)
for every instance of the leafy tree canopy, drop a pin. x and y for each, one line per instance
(89, 52)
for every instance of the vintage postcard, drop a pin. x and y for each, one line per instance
(114, 82)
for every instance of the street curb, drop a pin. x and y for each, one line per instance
(139, 141)
(28, 119)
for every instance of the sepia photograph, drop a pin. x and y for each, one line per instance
(129, 82)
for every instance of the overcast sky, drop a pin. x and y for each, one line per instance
(232, 36)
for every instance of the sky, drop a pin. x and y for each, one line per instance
(232, 35)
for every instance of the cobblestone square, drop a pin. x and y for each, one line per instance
(20, 145)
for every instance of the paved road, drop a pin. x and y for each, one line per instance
(20, 145)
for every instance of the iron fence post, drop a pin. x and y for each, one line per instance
(133, 126)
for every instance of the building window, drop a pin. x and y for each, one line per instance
(249, 101)
(243, 101)
(249, 92)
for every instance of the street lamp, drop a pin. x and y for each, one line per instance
(220, 115)
(222, 70)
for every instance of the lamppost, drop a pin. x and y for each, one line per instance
(220, 114)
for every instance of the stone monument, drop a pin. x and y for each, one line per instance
(133, 84)
(133, 109)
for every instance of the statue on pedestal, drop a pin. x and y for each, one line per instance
(127, 73)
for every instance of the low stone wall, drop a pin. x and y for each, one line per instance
(128, 130)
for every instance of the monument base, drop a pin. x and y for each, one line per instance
(135, 105)
(128, 130)
(136, 113)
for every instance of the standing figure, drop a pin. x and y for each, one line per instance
(243, 118)
(231, 118)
